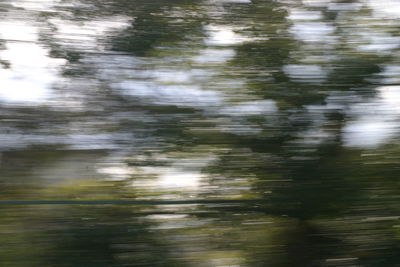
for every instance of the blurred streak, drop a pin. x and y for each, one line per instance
(306, 73)
(29, 72)
(223, 35)
(389, 9)
(199, 133)
(313, 31)
(378, 120)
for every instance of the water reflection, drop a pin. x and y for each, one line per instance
(293, 105)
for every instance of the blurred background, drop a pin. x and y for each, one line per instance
(287, 110)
